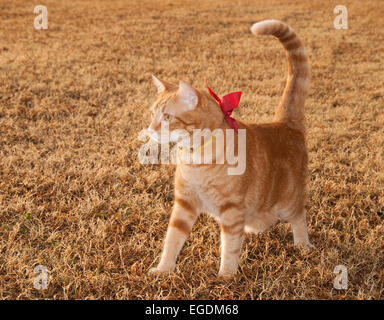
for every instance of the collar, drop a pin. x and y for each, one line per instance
(207, 143)
(228, 103)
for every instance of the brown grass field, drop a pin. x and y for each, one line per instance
(74, 197)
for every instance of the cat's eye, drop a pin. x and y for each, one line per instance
(167, 117)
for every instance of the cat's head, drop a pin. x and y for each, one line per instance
(184, 108)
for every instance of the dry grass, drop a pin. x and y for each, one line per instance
(74, 197)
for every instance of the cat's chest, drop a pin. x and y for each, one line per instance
(207, 185)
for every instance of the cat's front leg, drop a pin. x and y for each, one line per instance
(183, 217)
(232, 233)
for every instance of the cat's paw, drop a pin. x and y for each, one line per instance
(226, 275)
(306, 247)
(159, 271)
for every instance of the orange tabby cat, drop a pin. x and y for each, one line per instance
(273, 185)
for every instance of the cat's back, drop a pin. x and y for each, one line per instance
(277, 139)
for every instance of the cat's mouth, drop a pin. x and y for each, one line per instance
(160, 139)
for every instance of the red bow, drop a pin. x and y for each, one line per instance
(229, 102)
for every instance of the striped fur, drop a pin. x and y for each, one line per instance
(291, 107)
(273, 185)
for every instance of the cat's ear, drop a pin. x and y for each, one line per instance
(161, 85)
(187, 96)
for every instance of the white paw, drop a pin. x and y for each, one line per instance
(226, 274)
(160, 271)
(306, 246)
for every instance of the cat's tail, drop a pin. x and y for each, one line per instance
(291, 107)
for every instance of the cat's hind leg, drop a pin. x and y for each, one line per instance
(298, 222)
(300, 231)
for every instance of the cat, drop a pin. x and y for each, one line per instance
(274, 184)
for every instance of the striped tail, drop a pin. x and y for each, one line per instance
(291, 107)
